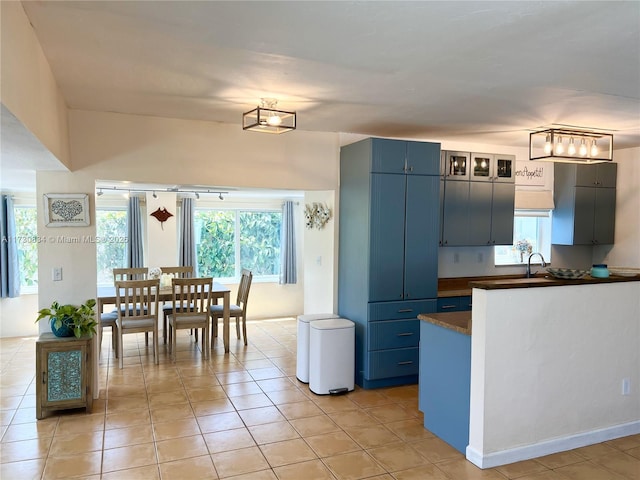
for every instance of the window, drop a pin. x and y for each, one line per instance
(111, 242)
(531, 233)
(27, 242)
(229, 240)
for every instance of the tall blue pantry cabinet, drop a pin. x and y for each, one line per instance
(388, 252)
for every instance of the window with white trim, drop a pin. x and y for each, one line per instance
(232, 239)
(111, 242)
(26, 217)
(531, 233)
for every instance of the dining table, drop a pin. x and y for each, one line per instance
(107, 296)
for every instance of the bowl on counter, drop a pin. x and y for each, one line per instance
(567, 273)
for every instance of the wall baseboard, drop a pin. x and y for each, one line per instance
(548, 447)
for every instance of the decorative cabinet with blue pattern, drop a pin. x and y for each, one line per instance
(63, 373)
(388, 256)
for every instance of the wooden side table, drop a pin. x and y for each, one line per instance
(63, 373)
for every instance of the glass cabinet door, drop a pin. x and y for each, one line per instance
(504, 170)
(482, 167)
(456, 165)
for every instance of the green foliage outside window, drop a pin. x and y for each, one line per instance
(111, 250)
(216, 246)
(257, 244)
(27, 240)
(260, 242)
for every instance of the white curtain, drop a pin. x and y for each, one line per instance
(135, 257)
(288, 270)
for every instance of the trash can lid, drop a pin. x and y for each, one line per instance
(309, 317)
(332, 324)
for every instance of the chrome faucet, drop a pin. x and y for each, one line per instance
(544, 264)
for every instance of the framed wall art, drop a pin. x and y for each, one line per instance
(66, 209)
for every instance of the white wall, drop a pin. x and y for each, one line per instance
(29, 90)
(547, 366)
(626, 250)
(319, 265)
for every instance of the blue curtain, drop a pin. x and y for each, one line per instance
(187, 245)
(288, 273)
(9, 265)
(134, 232)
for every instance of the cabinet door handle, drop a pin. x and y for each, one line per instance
(408, 362)
(406, 310)
(406, 334)
(445, 307)
(44, 378)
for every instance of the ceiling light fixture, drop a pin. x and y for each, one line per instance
(546, 145)
(268, 119)
(100, 192)
(154, 195)
(197, 196)
(220, 196)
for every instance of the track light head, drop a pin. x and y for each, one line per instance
(154, 195)
(220, 196)
(197, 196)
(100, 192)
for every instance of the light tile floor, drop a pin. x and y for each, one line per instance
(245, 416)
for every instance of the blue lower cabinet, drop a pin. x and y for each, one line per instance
(454, 304)
(398, 362)
(445, 383)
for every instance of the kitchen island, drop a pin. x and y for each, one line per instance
(555, 365)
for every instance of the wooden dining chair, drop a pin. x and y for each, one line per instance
(135, 273)
(110, 319)
(130, 273)
(137, 307)
(196, 293)
(176, 272)
(237, 310)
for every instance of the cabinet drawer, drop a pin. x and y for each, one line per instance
(400, 310)
(454, 304)
(394, 334)
(393, 363)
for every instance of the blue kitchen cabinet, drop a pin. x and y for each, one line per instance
(454, 304)
(388, 256)
(585, 204)
(445, 383)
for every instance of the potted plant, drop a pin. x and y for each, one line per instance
(68, 320)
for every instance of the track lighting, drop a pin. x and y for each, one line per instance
(220, 196)
(197, 196)
(154, 195)
(100, 193)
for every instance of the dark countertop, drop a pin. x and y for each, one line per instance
(457, 321)
(462, 286)
(546, 281)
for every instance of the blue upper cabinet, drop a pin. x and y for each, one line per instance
(402, 157)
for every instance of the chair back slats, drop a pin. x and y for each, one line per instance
(243, 289)
(192, 292)
(130, 274)
(178, 272)
(137, 299)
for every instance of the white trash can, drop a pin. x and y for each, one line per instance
(302, 356)
(332, 356)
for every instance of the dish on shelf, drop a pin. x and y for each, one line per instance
(624, 271)
(567, 273)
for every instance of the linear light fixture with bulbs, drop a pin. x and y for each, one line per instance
(268, 119)
(571, 146)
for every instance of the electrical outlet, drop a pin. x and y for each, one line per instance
(456, 258)
(480, 257)
(56, 274)
(626, 386)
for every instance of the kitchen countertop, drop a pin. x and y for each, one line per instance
(457, 321)
(462, 286)
(545, 281)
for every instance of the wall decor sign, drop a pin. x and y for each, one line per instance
(530, 174)
(66, 209)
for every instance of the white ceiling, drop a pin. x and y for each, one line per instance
(486, 72)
